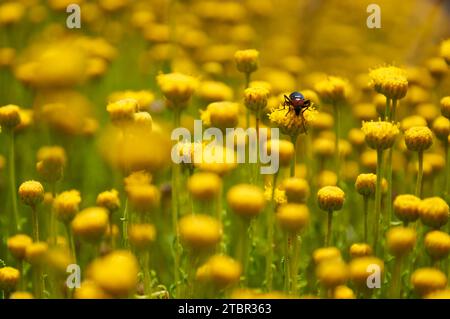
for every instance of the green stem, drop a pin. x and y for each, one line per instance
(366, 212)
(336, 139)
(396, 282)
(387, 110)
(146, 273)
(294, 158)
(71, 242)
(12, 181)
(175, 207)
(124, 220)
(243, 249)
(35, 223)
(447, 168)
(389, 167)
(294, 264)
(270, 235)
(378, 198)
(419, 175)
(329, 228)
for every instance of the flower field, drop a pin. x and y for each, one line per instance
(158, 149)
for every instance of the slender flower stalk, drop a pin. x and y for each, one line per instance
(270, 234)
(12, 181)
(330, 199)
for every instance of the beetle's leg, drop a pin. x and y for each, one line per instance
(288, 111)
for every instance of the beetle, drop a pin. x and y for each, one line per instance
(297, 102)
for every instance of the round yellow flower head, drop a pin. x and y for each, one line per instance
(428, 280)
(143, 98)
(109, 200)
(297, 189)
(9, 116)
(122, 111)
(7, 56)
(115, 273)
(439, 294)
(221, 114)
(323, 147)
(332, 273)
(406, 207)
(326, 254)
(51, 161)
(255, 98)
(91, 223)
(204, 186)
(247, 61)
(400, 240)
(361, 268)
(279, 196)
(322, 122)
(369, 160)
(445, 106)
(434, 212)
(36, 253)
(144, 198)
(31, 193)
(365, 184)
(437, 244)
(199, 231)
(380, 135)
(66, 205)
(18, 244)
(141, 236)
(436, 161)
(221, 270)
(445, 50)
(333, 89)
(9, 278)
(412, 121)
(418, 138)
(291, 124)
(281, 148)
(11, 12)
(343, 292)
(21, 295)
(177, 88)
(360, 250)
(327, 178)
(365, 112)
(437, 67)
(357, 138)
(441, 127)
(137, 178)
(293, 217)
(389, 81)
(90, 290)
(330, 198)
(58, 258)
(212, 91)
(246, 200)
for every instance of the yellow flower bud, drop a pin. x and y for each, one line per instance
(445, 106)
(365, 184)
(141, 236)
(199, 231)
(400, 240)
(285, 151)
(343, 292)
(36, 253)
(221, 270)
(406, 207)
(360, 270)
(296, 189)
(51, 161)
(91, 223)
(333, 89)
(9, 278)
(247, 60)
(332, 273)
(90, 290)
(330, 198)
(437, 244)
(66, 205)
(326, 254)
(428, 280)
(31, 193)
(177, 88)
(204, 186)
(418, 138)
(109, 200)
(255, 98)
(380, 135)
(360, 250)
(211, 91)
(221, 115)
(293, 217)
(18, 244)
(21, 295)
(445, 50)
(434, 212)
(144, 198)
(389, 81)
(246, 200)
(441, 127)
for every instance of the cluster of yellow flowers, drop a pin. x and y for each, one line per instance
(86, 176)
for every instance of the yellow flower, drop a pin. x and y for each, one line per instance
(177, 88)
(9, 278)
(204, 186)
(51, 161)
(18, 244)
(333, 89)
(36, 253)
(144, 98)
(247, 60)
(406, 207)
(428, 280)
(400, 240)
(122, 111)
(418, 138)
(437, 244)
(291, 124)
(144, 198)
(434, 212)
(199, 231)
(212, 91)
(445, 50)
(31, 193)
(246, 200)
(66, 205)
(221, 270)
(9, 116)
(115, 273)
(360, 270)
(437, 67)
(91, 223)
(11, 12)
(137, 178)
(412, 121)
(221, 114)
(326, 254)
(284, 150)
(255, 98)
(360, 250)
(109, 199)
(323, 147)
(21, 295)
(445, 106)
(343, 292)
(332, 273)
(141, 236)
(441, 128)
(326, 178)
(322, 122)
(356, 137)
(7, 56)
(297, 189)
(380, 135)
(389, 81)
(330, 198)
(293, 217)
(439, 294)
(90, 290)
(279, 196)
(365, 184)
